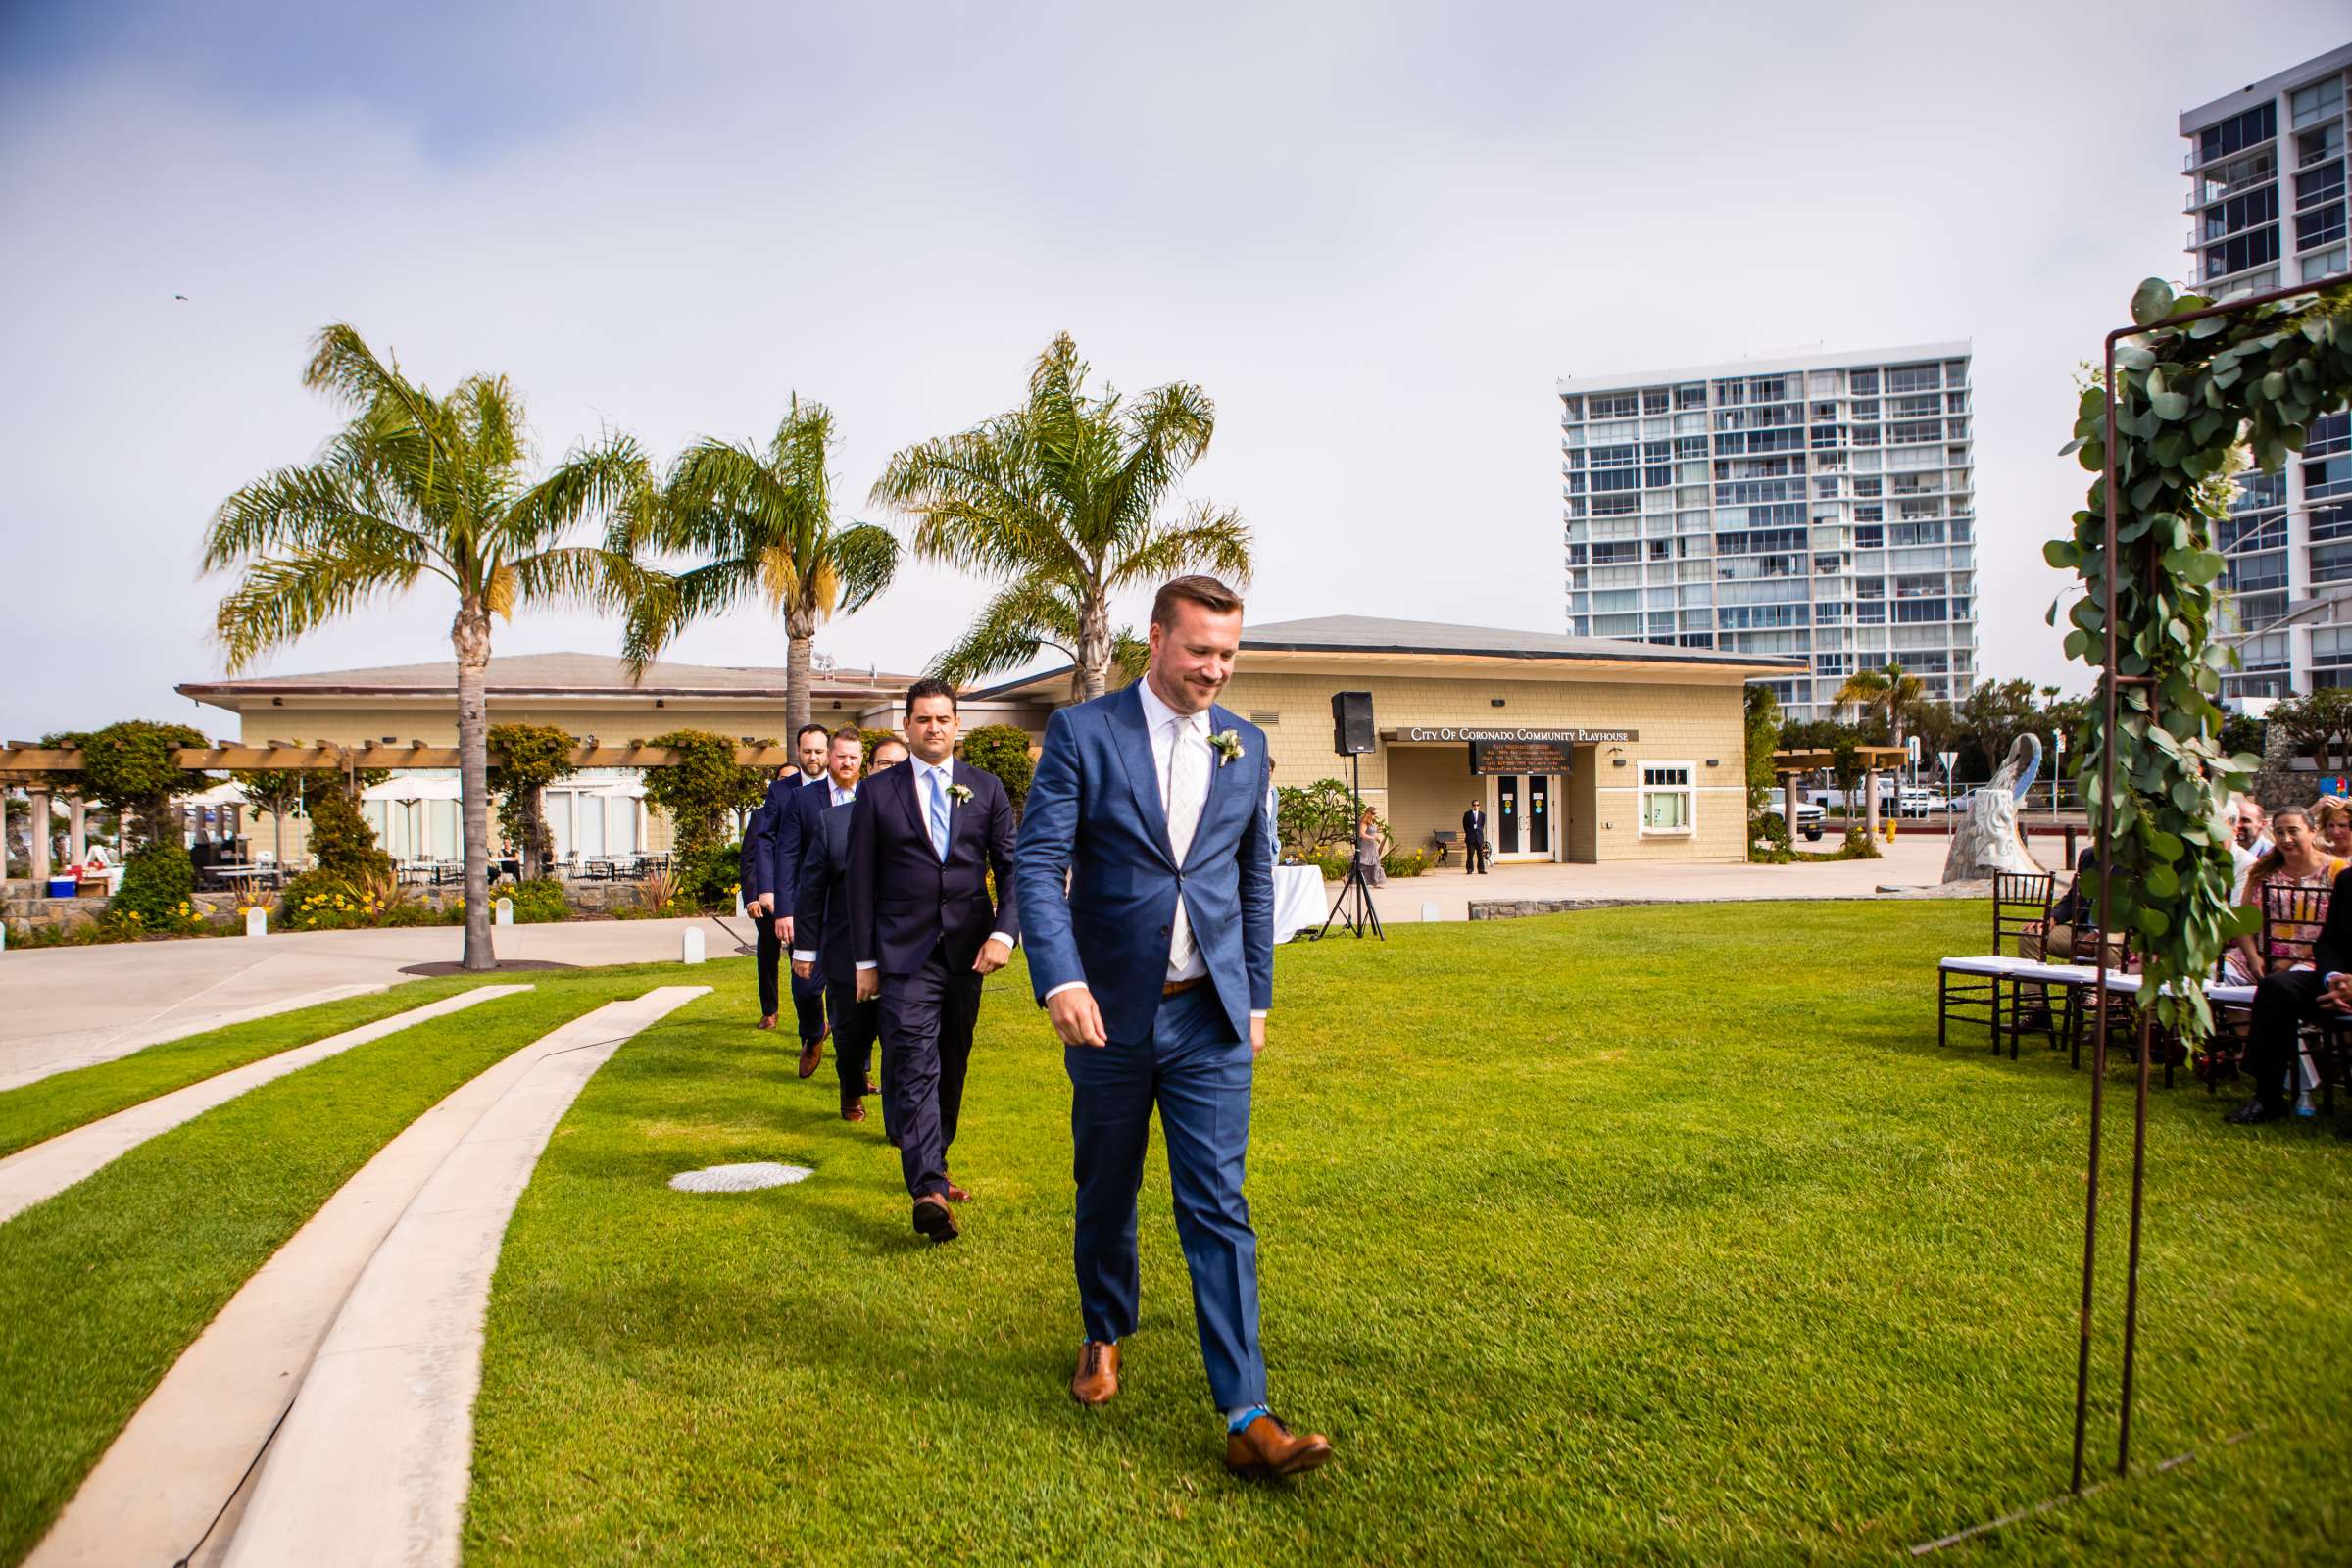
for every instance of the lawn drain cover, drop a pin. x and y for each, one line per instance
(740, 1178)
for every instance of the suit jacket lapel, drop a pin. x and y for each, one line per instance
(1133, 741)
(1209, 803)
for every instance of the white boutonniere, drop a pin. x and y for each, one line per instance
(1228, 746)
(958, 793)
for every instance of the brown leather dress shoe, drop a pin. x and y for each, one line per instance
(934, 1219)
(813, 1054)
(956, 1194)
(768, 1021)
(851, 1108)
(1268, 1448)
(1097, 1379)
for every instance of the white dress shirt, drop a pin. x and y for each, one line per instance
(1165, 726)
(922, 810)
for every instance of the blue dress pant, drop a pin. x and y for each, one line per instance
(927, 1020)
(1199, 1075)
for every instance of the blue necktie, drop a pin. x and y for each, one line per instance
(939, 816)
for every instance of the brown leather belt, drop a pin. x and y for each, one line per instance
(1175, 988)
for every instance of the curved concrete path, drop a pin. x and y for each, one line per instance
(376, 1346)
(66, 1047)
(30, 1175)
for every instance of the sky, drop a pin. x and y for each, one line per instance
(1375, 233)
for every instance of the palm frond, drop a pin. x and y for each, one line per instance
(865, 559)
(606, 478)
(1011, 630)
(279, 600)
(1209, 538)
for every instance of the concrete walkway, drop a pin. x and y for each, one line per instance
(1906, 862)
(391, 1279)
(66, 1007)
(30, 1175)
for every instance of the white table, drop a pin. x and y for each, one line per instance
(1299, 900)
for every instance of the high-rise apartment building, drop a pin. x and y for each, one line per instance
(2266, 196)
(1816, 507)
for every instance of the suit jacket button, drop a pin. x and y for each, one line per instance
(1163, 930)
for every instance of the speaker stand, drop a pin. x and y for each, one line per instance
(1354, 908)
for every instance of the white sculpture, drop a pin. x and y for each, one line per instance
(1987, 839)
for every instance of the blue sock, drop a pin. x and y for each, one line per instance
(1242, 1415)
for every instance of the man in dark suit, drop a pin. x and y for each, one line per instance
(1147, 872)
(2283, 1002)
(820, 924)
(751, 874)
(923, 838)
(791, 804)
(1474, 839)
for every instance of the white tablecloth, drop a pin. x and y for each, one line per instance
(1299, 901)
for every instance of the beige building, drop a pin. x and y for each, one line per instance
(599, 812)
(1581, 749)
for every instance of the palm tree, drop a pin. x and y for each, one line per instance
(1061, 496)
(417, 486)
(1020, 622)
(762, 520)
(1888, 691)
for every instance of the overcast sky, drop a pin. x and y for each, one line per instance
(1374, 232)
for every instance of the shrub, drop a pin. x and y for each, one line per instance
(707, 878)
(1002, 750)
(343, 846)
(530, 758)
(129, 767)
(875, 737)
(539, 902)
(1308, 817)
(703, 789)
(1404, 863)
(157, 880)
(1333, 863)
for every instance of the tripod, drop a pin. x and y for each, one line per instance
(1352, 908)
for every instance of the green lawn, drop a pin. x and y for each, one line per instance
(104, 1285)
(63, 1102)
(1661, 1235)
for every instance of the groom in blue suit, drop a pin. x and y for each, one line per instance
(1145, 875)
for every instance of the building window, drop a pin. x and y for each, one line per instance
(2322, 228)
(1669, 803)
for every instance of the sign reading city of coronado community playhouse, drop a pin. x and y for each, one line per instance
(1561, 737)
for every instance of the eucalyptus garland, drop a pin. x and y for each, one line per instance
(2188, 398)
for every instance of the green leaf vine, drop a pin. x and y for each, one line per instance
(2188, 397)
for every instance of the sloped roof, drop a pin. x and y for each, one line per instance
(544, 674)
(1375, 636)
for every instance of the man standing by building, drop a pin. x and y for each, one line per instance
(1157, 968)
(791, 804)
(924, 838)
(1474, 839)
(820, 925)
(751, 873)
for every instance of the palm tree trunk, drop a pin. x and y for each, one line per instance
(1094, 643)
(472, 636)
(799, 633)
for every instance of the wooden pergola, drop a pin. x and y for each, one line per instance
(38, 767)
(1792, 765)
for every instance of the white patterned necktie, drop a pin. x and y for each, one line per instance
(1187, 787)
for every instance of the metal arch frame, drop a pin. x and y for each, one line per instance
(2110, 682)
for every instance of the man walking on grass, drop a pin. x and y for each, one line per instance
(1156, 966)
(792, 805)
(925, 836)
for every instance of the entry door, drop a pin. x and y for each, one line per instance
(1506, 814)
(1539, 814)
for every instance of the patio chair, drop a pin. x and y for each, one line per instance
(1966, 986)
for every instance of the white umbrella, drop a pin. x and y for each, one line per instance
(398, 788)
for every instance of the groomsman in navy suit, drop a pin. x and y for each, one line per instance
(820, 923)
(924, 836)
(1156, 966)
(751, 873)
(792, 805)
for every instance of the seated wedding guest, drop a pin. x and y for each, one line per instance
(2240, 857)
(2076, 907)
(2299, 860)
(2253, 826)
(2285, 1001)
(1367, 848)
(2332, 816)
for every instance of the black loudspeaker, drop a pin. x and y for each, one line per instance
(1352, 723)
